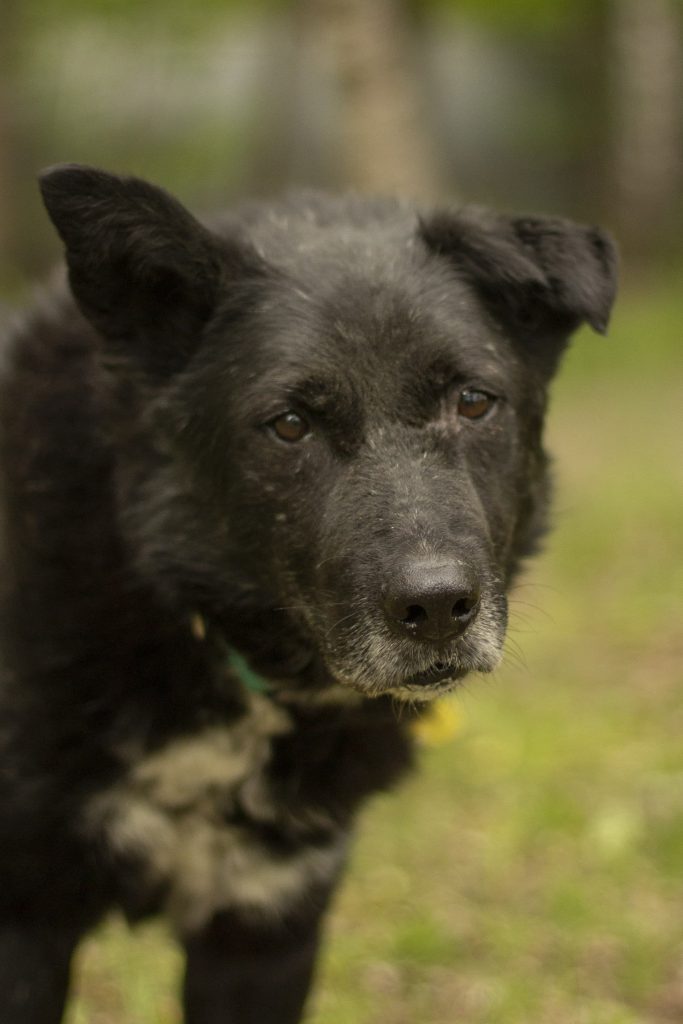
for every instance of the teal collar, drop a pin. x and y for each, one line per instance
(249, 679)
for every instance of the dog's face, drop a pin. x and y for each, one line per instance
(351, 405)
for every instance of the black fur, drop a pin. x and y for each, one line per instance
(153, 521)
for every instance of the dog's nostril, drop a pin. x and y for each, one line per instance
(416, 615)
(464, 606)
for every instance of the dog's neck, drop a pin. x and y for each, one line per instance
(289, 690)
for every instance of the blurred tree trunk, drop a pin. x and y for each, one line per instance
(647, 84)
(341, 105)
(384, 143)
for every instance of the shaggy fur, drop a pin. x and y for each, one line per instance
(310, 435)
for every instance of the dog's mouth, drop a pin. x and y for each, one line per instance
(433, 676)
(437, 679)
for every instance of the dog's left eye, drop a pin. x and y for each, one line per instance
(290, 427)
(474, 404)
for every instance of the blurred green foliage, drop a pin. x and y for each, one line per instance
(534, 16)
(127, 11)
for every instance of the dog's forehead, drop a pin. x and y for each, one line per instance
(376, 318)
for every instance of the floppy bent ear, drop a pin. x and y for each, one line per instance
(543, 276)
(142, 269)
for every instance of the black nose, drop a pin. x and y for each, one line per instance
(431, 601)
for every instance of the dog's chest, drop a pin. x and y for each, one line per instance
(197, 821)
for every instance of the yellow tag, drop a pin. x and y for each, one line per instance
(439, 723)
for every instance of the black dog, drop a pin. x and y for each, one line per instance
(260, 483)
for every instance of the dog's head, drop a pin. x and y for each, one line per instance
(346, 404)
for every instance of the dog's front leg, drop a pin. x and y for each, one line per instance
(239, 973)
(34, 973)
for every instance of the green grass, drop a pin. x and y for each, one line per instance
(532, 873)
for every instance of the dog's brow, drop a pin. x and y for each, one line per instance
(468, 359)
(329, 397)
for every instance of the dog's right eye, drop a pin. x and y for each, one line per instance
(290, 427)
(474, 404)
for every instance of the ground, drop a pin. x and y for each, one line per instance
(532, 873)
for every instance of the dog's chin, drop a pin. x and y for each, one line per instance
(415, 688)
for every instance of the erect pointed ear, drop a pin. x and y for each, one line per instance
(144, 272)
(542, 275)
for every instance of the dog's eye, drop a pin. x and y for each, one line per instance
(474, 404)
(290, 427)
